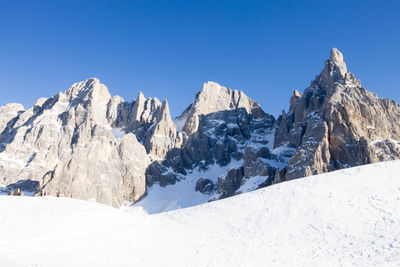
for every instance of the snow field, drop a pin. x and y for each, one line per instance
(343, 218)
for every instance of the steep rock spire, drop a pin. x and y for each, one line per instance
(162, 136)
(335, 70)
(214, 98)
(336, 123)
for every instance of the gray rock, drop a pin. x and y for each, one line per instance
(90, 145)
(204, 186)
(256, 162)
(336, 123)
(66, 143)
(8, 113)
(230, 182)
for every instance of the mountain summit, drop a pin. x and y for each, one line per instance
(336, 123)
(91, 145)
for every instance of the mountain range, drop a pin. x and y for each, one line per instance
(90, 145)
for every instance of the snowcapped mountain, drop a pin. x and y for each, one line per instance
(336, 124)
(349, 217)
(89, 145)
(66, 143)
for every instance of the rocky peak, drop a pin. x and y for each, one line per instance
(334, 124)
(162, 136)
(82, 87)
(335, 70)
(90, 145)
(9, 112)
(337, 57)
(165, 115)
(90, 90)
(67, 143)
(214, 98)
(295, 97)
(144, 109)
(12, 107)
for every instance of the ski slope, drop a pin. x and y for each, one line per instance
(344, 218)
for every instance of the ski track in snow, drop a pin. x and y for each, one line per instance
(344, 218)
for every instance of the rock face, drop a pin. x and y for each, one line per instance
(229, 183)
(162, 136)
(90, 145)
(220, 127)
(219, 123)
(9, 112)
(66, 143)
(336, 123)
(204, 186)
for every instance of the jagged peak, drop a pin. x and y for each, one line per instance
(82, 85)
(140, 96)
(165, 113)
(156, 100)
(336, 56)
(118, 99)
(87, 87)
(214, 97)
(13, 107)
(210, 85)
(40, 102)
(335, 70)
(141, 99)
(165, 106)
(296, 93)
(295, 97)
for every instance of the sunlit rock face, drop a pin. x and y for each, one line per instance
(66, 143)
(221, 126)
(336, 123)
(88, 144)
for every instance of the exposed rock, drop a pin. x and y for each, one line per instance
(158, 173)
(215, 130)
(215, 98)
(230, 182)
(204, 186)
(90, 145)
(256, 162)
(8, 113)
(66, 143)
(220, 122)
(336, 123)
(162, 137)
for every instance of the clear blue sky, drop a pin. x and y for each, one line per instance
(168, 49)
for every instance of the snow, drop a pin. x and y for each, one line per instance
(252, 183)
(182, 194)
(343, 218)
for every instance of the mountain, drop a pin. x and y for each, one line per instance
(336, 123)
(220, 126)
(66, 143)
(349, 217)
(88, 144)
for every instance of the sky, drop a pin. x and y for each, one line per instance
(168, 49)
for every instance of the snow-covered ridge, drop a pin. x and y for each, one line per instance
(91, 145)
(343, 218)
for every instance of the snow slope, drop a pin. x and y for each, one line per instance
(343, 218)
(182, 194)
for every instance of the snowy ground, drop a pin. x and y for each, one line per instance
(344, 218)
(182, 194)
